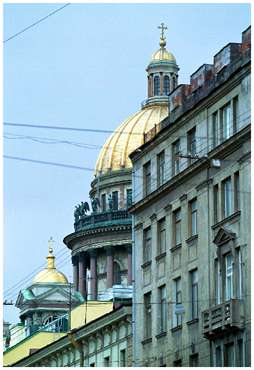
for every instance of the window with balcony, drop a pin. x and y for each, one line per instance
(103, 203)
(161, 230)
(177, 310)
(175, 157)
(147, 316)
(156, 85)
(193, 230)
(177, 227)
(191, 145)
(161, 168)
(194, 293)
(229, 277)
(162, 309)
(227, 206)
(115, 200)
(166, 87)
(147, 245)
(147, 178)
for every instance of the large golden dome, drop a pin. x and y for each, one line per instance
(128, 137)
(50, 274)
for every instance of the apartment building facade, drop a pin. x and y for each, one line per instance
(191, 222)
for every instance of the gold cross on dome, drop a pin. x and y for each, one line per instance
(162, 27)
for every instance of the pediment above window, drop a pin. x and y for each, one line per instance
(223, 236)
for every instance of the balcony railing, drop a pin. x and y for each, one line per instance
(121, 216)
(222, 318)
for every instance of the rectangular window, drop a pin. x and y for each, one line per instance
(147, 315)
(177, 227)
(194, 293)
(161, 168)
(240, 353)
(163, 309)
(235, 115)
(161, 228)
(193, 217)
(147, 245)
(123, 358)
(216, 203)
(216, 131)
(226, 124)
(229, 277)
(103, 202)
(229, 356)
(217, 282)
(227, 197)
(177, 312)
(191, 145)
(147, 178)
(218, 356)
(194, 360)
(129, 197)
(240, 274)
(106, 362)
(236, 192)
(115, 200)
(175, 157)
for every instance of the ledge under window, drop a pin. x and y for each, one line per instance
(160, 256)
(192, 239)
(226, 219)
(176, 247)
(176, 328)
(162, 334)
(147, 340)
(192, 321)
(145, 264)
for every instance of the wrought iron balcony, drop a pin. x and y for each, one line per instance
(121, 216)
(221, 318)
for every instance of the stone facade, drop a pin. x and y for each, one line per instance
(102, 342)
(191, 193)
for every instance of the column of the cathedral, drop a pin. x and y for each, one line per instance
(161, 83)
(151, 85)
(93, 268)
(129, 261)
(109, 267)
(82, 274)
(75, 272)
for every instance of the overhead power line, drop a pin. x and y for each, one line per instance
(49, 163)
(35, 23)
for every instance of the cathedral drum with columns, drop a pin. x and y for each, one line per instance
(101, 244)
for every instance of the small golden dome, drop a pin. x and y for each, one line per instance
(50, 274)
(163, 54)
(128, 137)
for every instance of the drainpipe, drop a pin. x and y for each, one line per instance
(78, 346)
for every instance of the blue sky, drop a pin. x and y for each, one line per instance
(83, 67)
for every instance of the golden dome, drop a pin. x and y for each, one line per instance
(163, 54)
(50, 274)
(128, 137)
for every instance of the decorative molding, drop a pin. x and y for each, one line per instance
(234, 216)
(204, 184)
(153, 217)
(183, 197)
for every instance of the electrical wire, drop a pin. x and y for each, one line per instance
(35, 23)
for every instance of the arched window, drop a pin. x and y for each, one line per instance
(156, 85)
(116, 274)
(166, 85)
